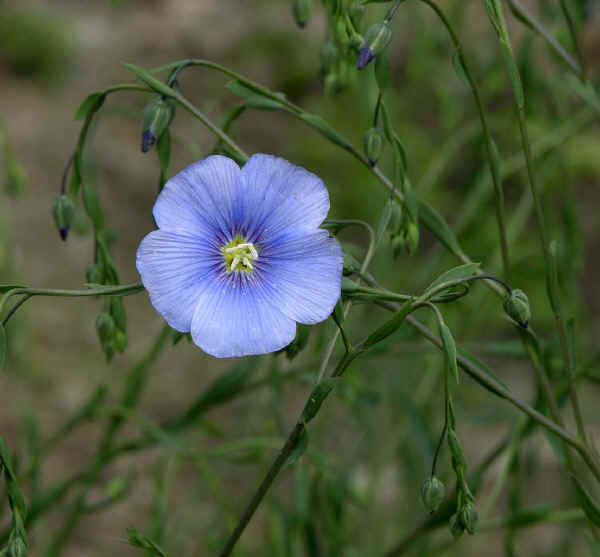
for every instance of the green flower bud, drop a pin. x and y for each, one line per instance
(341, 32)
(301, 9)
(456, 526)
(17, 547)
(105, 325)
(376, 40)
(432, 493)
(412, 237)
(469, 517)
(118, 313)
(398, 245)
(157, 116)
(109, 350)
(63, 211)
(328, 55)
(94, 274)
(516, 306)
(120, 340)
(373, 142)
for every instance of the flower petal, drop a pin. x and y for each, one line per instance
(303, 274)
(276, 195)
(200, 199)
(234, 318)
(174, 268)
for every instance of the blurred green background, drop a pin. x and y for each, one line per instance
(356, 491)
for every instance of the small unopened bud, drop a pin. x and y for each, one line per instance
(120, 340)
(412, 237)
(373, 144)
(516, 306)
(377, 38)
(328, 55)
(105, 325)
(433, 492)
(63, 211)
(469, 517)
(341, 32)
(351, 265)
(157, 116)
(398, 245)
(456, 526)
(94, 274)
(17, 547)
(301, 9)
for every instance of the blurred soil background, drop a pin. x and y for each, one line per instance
(357, 489)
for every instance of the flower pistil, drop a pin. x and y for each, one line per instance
(239, 255)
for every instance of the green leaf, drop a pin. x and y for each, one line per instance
(136, 539)
(384, 221)
(91, 104)
(476, 362)
(449, 349)
(323, 127)
(390, 326)
(2, 346)
(513, 73)
(92, 207)
(299, 448)
(319, 394)
(458, 61)
(588, 503)
(552, 278)
(151, 81)
(254, 98)
(456, 273)
(439, 227)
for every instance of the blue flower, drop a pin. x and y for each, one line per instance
(238, 258)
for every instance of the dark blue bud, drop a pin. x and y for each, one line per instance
(364, 57)
(148, 140)
(157, 117)
(63, 211)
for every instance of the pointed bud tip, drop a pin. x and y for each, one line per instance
(148, 140)
(64, 232)
(364, 57)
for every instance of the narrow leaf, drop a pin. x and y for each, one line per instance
(384, 221)
(299, 448)
(588, 503)
(439, 227)
(322, 126)
(389, 327)
(458, 62)
(6, 287)
(456, 273)
(151, 81)
(91, 104)
(255, 99)
(449, 349)
(2, 347)
(319, 394)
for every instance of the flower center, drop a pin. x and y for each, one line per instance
(239, 255)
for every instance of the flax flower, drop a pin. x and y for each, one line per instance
(238, 258)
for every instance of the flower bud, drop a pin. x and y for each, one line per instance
(377, 38)
(94, 274)
(349, 285)
(105, 325)
(412, 237)
(301, 9)
(373, 144)
(398, 245)
(516, 306)
(351, 265)
(157, 116)
(118, 313)
(328, 55)
(433, 492)
(341, 32)
(63, 211)
(456, 526)
(356, 12)
(17, 547)
(120, 340)
(469, 517)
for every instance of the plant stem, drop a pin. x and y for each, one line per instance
(505, 38)
(494, 164)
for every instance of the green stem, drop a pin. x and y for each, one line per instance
(489, 142)
(573, 31)
(519, 101)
